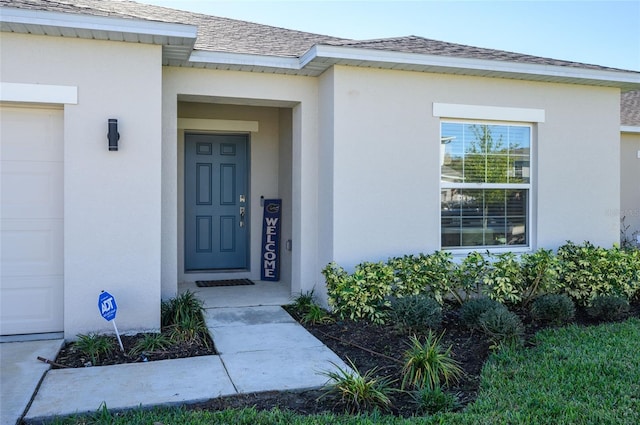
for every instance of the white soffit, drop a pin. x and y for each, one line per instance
(38, 93)
(177, 39)
(481, 112)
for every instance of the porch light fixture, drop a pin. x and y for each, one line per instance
(113, 134)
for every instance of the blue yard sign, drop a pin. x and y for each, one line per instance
(270, 259)
(107, 306)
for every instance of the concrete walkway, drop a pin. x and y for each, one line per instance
(261, 349)
(20, 374)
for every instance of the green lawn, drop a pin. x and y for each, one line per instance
(573, 375)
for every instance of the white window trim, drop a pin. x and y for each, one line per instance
(491, 113)
(38, 93)
(465, 250)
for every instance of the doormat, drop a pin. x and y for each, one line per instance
(227, 282)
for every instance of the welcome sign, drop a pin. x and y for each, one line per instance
(270, 258)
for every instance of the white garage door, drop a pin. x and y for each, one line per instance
(31, 220)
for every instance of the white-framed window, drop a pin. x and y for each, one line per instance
(485, 182)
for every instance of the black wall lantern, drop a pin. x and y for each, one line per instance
(113, 134)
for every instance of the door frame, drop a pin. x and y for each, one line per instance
(247, 135)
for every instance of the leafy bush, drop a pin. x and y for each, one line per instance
(471, 311)
(588, 271)
(431, 401)
(581, 271)
(359, 392)
(415, 313)
(423, 274)
(540, 272)
(608, 307)
(427, 364)
(467, 277)
(361, 295)
(503, 279)
(553, 308)
(502, 327)
(95, 345)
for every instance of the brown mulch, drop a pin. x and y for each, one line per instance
(367, 346)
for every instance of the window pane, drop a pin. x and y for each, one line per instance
(519, 167)
(484, 217)
(474, 168)
(516, 231)
(451, 152)
(450, 217)
(516, 202)
(497, 168)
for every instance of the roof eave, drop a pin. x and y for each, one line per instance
(319, 58)
(326, 56)
(630, 129)
(177, 40)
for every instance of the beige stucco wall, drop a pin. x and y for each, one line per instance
(385, 147)
(630, 181)
(326, 119)
(111, 199)
(281, 154)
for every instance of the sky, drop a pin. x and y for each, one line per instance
(603, 33)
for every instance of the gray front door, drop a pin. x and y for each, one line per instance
(216, 207)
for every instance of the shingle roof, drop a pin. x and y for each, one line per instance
(630, 108)
(214, 33)
(416, 44)
(217, 34)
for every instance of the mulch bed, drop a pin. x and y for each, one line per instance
(70, 356)
(367, 346)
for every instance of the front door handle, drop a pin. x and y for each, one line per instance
(242, 213)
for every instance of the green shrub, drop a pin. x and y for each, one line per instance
(553, 308)
(361, 295)
(608, 307)
(502, 327)
(303, 302)
(94, 346)
(316, 314)
(471, 311)
(428, 364)
(182, 317)
(540, 273)
(503, 279)
(431, 401)
(588, 271)
(423, 273)
(415, 313)
(359, 392)
(151, 342)
(176, 310)
(467, 277)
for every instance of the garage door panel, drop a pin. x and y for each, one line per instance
(32, 134)
(31, 189)
(31, 247)
(31, 220)
(42, 313)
